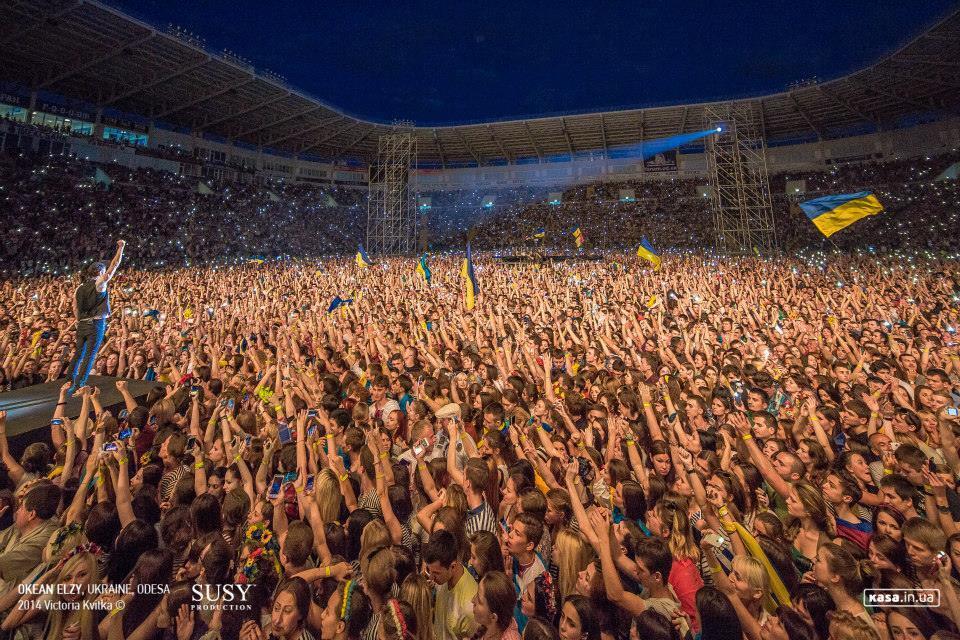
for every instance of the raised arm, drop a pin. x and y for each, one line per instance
(112, 269)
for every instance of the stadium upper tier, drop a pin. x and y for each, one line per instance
(87, 51)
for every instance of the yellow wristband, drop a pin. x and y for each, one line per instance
(328, 572)
(278, 408)
(747, 436)
(631, 443)
(198, 465)
(123, 460)
(646, 404)
(722, 511)
(383, 454)
(298, 489)
(344, 477)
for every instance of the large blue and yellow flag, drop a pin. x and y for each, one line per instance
(539, 234)
(423, 269)
(578, 237)
(471, 288)
(338, 302)
(363, 260)
(645, 251)
(833, 213)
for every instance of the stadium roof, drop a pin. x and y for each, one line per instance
(85, 50)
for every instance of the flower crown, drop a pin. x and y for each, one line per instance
(261, 537)
(348, 588)
(63, 533)
(393, 607)
(86, 547)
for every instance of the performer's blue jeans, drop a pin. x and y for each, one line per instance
(89, 338)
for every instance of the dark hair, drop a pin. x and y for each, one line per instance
(36, 458)
(634, 501)
(487, 547)
(298, 543)
(356, 522)
(655, 555)
(134, 540)
(217, 562)
(539, 629)
(796, 627)
(715, 606)
(145, 505)
(442, 547)
(819, 605)
(300, 590)
(501, 597)
(154, 567)
(920, 618)
(653, 625)
(205, 512)
(533, 528)
(589, 622)
(43, 499)
(102, 525)
(176, 529)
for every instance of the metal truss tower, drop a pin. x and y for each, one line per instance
(393, 222)
(737, 167)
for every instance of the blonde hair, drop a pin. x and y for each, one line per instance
(574, 554)
(845, 626)
(673, 514)
(62, 542)
(752, 572)
(327, 496)
(416, 591)
(58, 617)
(374, 535)
(456, 498)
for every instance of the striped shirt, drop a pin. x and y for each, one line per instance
(481, 519)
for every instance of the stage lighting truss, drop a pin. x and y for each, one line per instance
(737, 167)
(393, 220)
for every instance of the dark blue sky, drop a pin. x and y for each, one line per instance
(448, 61)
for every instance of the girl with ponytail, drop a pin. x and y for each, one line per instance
(840, 573)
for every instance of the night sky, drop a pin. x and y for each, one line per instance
(446, 62)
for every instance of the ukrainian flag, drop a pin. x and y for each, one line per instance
(539, 234)
(423, 269)
(363, 260)
(645, 251)
(338, 302)
(256, 260)
(426, 325)
(471, 289)
(578, 237)
(833, 213)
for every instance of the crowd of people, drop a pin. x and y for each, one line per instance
(719, 449)
(60, 214)
(673, 213)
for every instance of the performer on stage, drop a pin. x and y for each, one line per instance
(91, 308)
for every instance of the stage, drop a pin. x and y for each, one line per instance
(29, 409)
